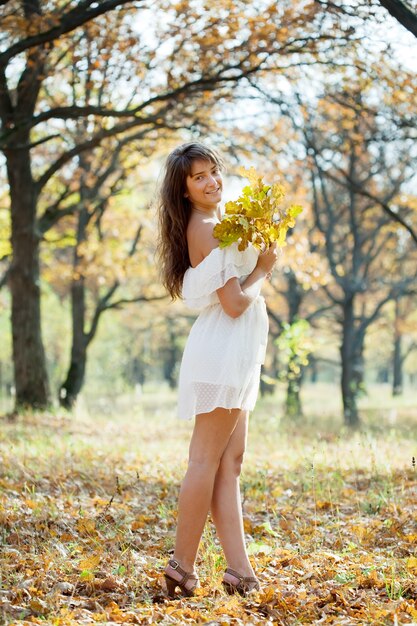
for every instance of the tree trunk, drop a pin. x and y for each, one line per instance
(138, 371)
(397, 383)
(383, 374)
(313, 369)
(76, 373)
(30, 372)
(293, 407)
(352, 367)
(172, 356)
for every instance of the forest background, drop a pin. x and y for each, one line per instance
(320, 96)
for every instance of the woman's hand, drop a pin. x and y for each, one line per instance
(267, 259)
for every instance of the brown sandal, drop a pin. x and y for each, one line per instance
(172, 583)
(246, 584)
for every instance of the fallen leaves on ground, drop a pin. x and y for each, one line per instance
(88, 522)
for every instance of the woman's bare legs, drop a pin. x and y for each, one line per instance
(211, 436)
(226, 506)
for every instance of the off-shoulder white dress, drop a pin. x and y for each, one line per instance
(223, 355)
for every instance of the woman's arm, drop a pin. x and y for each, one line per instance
(236, 298)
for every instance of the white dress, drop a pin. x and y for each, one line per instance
(223, 355)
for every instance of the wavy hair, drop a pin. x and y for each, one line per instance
(174, 211)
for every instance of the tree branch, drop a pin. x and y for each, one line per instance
(118, 303)
(331, 296)
(383, 204)
(410, 349)
(88, 145)
(402, 13)
(204, 83)
(317, 312)
(278, 320)
(29, 146)
(153, 121)
(79, 15)
(52, 215)
(104, 304)
(100, 308)
(393, 292)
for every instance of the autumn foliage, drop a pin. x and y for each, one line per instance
(257, 216)
(87, 510)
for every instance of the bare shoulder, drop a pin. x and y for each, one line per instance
(200, 238)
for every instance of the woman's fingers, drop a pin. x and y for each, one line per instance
(267, 259)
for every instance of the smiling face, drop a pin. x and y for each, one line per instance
(204, 185)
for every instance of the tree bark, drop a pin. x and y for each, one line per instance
(31, 378)
(351, 352)
(293, 406)
(81, 336)
(313, 369)
(76, 373)
(397, 383)
(172, 356)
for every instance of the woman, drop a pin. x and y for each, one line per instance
(220, 369)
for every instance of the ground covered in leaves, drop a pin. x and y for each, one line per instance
(87, 518)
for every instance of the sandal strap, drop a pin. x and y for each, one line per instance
(185, 575)
(243, 579)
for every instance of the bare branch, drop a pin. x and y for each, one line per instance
(331, 296)
(410, 349)
(319, 312)
(278, 320)
(52, 215)
(204, 83)
(87, 145)
(100, 308)
(29, 146)
(105, 303)
(118, 303)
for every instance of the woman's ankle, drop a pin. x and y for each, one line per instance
(175, 563)
(242, 568)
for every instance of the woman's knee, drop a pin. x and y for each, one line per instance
(204, 462)
(231, 463)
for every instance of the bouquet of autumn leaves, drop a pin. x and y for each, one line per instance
(257, 216)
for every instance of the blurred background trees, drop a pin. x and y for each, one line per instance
(92, 98)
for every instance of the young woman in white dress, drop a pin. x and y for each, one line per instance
(220, 369)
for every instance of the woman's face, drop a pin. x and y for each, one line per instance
(204, 185)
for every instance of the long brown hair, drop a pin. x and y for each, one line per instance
(174, 213)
